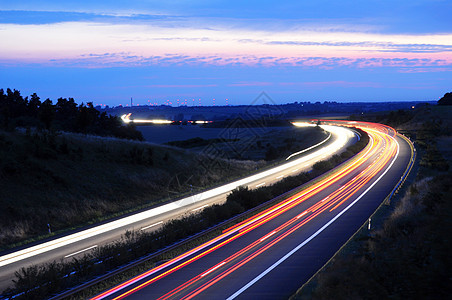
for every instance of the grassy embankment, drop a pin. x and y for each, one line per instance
(268, 144)
(407, 253)
(68, 180)
(56, 276)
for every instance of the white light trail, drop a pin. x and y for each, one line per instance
(126, 119)
(290, 253)
(307, 149)
(342, 135)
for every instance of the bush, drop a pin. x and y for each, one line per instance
(42, 281)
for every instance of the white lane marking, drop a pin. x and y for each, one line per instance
(267, 236)
(342, 138)
(260, 184)
(211, 270)
(144, 228)
(295, 170)
(229, 233)
(325, 198)
(200, 207)
(78, 252)
(307, 149)
(280, 176)
(282, 259)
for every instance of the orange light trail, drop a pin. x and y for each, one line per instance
(381, 137)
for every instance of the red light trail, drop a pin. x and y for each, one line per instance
(380, 153)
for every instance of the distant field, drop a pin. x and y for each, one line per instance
(68, 180)
(161, 134)
(259, 143)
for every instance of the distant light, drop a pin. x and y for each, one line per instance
(126, 119)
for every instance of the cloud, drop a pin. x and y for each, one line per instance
(337, 83)
(100, 44)
(378, 46)
(251, 83)
(182, 85)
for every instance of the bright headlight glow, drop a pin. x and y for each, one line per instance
(341, 136)
(126, 119)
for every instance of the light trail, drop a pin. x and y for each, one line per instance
(274, 242)
(307, 149)
(376, 164)
(126, 119)
(342, 135)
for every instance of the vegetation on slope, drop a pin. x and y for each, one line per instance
(261, 143)
(407, 257)
(17, 111)
(57, 276)
(68, 180)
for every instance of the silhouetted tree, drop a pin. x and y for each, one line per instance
(46, 113)
(446, 99)
(33, 105)
(16, 110)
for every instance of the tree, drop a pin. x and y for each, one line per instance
(46, 113)
(446, 99)
(33, 105)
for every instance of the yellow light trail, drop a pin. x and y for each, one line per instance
(381, 137)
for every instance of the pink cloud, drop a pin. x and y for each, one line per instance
(332, 83)
(253, 83)
(182, 85)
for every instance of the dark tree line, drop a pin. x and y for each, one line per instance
(37, 282)
(65, 114)
(446, 99)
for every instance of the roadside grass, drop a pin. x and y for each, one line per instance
(134, 245)
(71, 180)
(258, 144)
(406, 254)
(405, 257)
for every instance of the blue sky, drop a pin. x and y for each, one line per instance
(159, 51)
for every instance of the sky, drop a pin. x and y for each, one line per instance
(227, 52)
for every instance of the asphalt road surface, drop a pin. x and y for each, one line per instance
(270, 255)
(76, 244)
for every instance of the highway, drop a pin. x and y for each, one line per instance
(271, 254)
(76, 244)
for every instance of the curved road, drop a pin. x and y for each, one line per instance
(76, 244)
(273, 253)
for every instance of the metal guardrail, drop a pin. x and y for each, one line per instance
(141, 260)
(386, 201)
(402, 180)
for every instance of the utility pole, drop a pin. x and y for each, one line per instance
(131, 102)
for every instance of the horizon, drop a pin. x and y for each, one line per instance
(105, 53)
